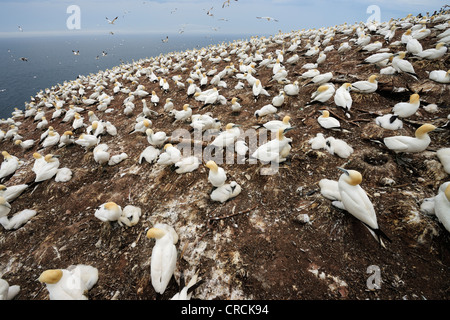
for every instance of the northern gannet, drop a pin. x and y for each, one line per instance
(130, 216)
(265, 110)
(164, 255)
(9, 165)
(434, 53)
(66, 139)
(369, 86)
(274, 125)
(101, 154)
(25, 145)
(327, 122)
(216, 175)
(443, 155)
(357, 203)
(150, 154)
(171, 155)
(323, 93)
(338, 147)
(5, 207)
(278, 100)
(401, 65)
(47, 169)
(274, 150)
(156, 139)
(440, 76)
(389, 121)
(109, 211)
(182, 115)
(226, 192)
(235, 105)
(187, 164)
(87, 141)
(71, 283)
(227, 137)
(10, 193)
(342, 97)
(411, 144)
(407, 109)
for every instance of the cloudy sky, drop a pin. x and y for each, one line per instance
(166, 17)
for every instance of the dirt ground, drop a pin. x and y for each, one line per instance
(254, 246)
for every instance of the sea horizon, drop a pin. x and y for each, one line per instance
(51, 61)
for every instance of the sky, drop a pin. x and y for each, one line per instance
(57, 17)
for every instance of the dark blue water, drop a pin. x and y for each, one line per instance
(51, 60)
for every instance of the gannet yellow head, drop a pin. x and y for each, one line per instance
(48, 157)
(185, 107)
(286, 119)
(17, 142)
(323, 88)
(352, 177)
(414, 98)
(146, 123)
(424, 129)
(440, 45)
(2, 187)
(155, 233)
(408, 32)
(6, 154)
(111, 206)
(447, 192)
(212, 165)
(233, 101)
(168, 100)
(168, 145)
(347, 85)
(51, 276)
(372, 78)
(68, 133)
(401, 54)
(91, 113)
(325, 113)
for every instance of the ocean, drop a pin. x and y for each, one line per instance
(51, 59)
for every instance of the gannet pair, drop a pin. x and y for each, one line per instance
(156, 139)
(45, 167)
(170, 156)
(111, 212)
(69, 284)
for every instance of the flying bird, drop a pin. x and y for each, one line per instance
(111, 21)
(20, 28)
(77, 53)
(267, 18)
(165, 40)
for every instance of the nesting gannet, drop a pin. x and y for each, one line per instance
(117, 158)
(414, 47)
(443, 155)
(407, 109)
(227, 137)
(241, 147)
(318, 142)
(87, 141)
(168, 106)
(25, 145)
(216, 175)
(182, 115)
(8, 292)
(265, 110)
(11, 193)
(9, 165)
(357, 203)
(274, 125)
(440, 76)
(338, 147)
(328, 122)
(101, 154)
(141, 125)
(164, 255)
(63, 175)
(42, 124)
(411, 144)
(109, 211)
(342, 97)
(226, 192)
(66, 139)
(442, 206)
(150, 154)
(378, 58)
(47, 169)
(434, 53)
(323, 93)
(274, 150)
(369, 86)
(291, 89)
(278, 100)
(130, 216)
(235, 105)
(389, 121)
(71, 283)
(171, 155)
(156, 139)
(187, 164)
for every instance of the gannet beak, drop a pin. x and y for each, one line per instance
(343, 170)
(288, 129)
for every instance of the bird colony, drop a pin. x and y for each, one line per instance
(276, 167)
